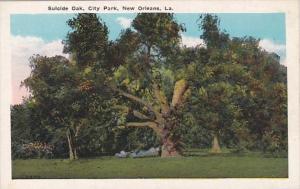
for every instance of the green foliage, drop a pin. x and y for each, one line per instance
(140, 139)
(26, 127)
(230, 87)
(212, 35)
(158, 32)
(88, 40)
(233, 81)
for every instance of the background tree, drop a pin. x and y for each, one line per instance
(52, 85)
(230, 74)
(219, 83)
(26, 127)
(267, 72)
(88, 40)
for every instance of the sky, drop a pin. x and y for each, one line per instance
(42, 34)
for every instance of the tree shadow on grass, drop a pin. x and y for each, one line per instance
(233, 153)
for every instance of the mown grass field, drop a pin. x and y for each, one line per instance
(197, 165)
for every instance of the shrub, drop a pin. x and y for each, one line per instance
(35, 150)
(274, 144)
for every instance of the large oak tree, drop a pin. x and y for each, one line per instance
(147, 79)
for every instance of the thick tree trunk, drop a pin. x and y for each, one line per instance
(168, 149)
(170, 142)
(72, 146)
(215, 144)
(165, 121)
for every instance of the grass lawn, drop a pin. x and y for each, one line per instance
(194, 166)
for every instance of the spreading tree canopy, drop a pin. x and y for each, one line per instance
(147, 79)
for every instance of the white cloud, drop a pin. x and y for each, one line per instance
(189, 41)
(277, 48)
(22, 49)
(283, 61)
(271, 46)
(124, 22)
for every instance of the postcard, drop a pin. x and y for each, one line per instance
(154, 94)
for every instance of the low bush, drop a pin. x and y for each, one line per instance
(34, 150)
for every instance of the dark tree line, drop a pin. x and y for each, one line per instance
(145, 89)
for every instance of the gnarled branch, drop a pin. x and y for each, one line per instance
(140, 124)
(140, 115)
(136, 113)
(137, 99)
(180, 89)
